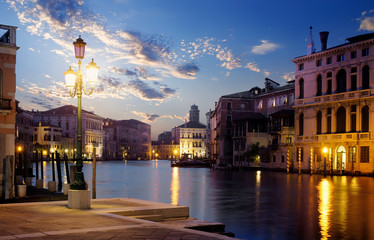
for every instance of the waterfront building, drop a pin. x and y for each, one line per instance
(262, 116)
(334, 109)
(191, 136)
(8, 52)
(47, 138)
(24, 132)
(127, 139)
(65, 117)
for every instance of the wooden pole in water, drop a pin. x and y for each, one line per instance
(59, 186)
(53, 168)
(41, 166)
(288, 160)
(66, 160)
(94, 175)
(36, 157)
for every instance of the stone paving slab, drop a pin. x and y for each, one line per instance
(53, 220)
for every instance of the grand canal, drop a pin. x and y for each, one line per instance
(253, 205)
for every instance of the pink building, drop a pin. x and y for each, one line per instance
(334, 110)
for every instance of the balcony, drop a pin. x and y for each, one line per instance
(337, 137)
(361, 94)
(5, 106)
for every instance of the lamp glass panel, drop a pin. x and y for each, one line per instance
(70, 79)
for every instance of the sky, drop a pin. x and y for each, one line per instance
(159, 57)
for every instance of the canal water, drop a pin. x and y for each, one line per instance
(253, 205)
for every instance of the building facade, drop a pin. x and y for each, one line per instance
(334, 110)
(191, 136)
(65, 117)
(127, 140)
(8, 52)
(262, 116)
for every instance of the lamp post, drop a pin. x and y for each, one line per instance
(74, 81)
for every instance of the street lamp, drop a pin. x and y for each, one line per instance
(74, 81)
(325, 150)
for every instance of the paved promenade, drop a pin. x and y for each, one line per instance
(107, 219)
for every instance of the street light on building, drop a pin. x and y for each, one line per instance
(74, 81)
(325, 150)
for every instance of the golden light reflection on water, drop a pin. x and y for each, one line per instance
(175, 186)
(325, 207)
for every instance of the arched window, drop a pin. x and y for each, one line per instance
(301, 88)
(319, 122)
(319, 85)
(301, 124)
(340, 120)
(365, 119)
(365, 77)
(341, 81)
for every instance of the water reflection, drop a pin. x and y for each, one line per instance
(175, 186)
(325, 207)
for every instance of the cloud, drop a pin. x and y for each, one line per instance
(367, 22)
(47, 76)
(229, 60)
(264, 48)
(150, 117)
(253, 67)
(289, 76)
(142, 90)
(188, 69)
(33, 50)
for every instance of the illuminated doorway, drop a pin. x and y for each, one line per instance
(341, 158)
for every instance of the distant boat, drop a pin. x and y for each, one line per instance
(190, 163)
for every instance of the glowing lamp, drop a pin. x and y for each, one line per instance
(79, 46)
(325, 150)
(70, 77)
(92, 72)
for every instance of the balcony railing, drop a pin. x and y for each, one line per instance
(5, 104)
(335, 97)
(336, 137)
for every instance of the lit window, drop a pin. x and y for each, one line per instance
(259, 105)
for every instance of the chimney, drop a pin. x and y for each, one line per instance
(323, 36)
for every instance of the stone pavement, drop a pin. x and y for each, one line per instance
(107, 219)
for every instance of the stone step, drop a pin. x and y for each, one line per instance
(154, 217)
(174, 212)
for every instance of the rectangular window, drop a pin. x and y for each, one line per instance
(353, 82)
(364, 154)
(329, 60)
(328, 124)
(329, 86)
(301, 66)
(353, 122)
(352, 154)
(228, 106)
(353, 55)
(282, 158)
(228, 119)
(365, 52)
(340, 58)
(319, 62)
(274, 158)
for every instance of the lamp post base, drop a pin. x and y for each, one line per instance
(79, 199)
(79, 183)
